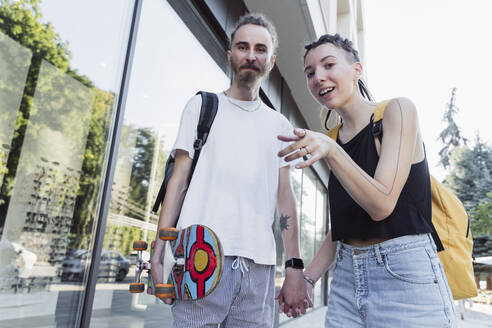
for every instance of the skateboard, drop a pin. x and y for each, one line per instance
(192, 264)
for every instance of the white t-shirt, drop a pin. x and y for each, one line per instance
(234, 187)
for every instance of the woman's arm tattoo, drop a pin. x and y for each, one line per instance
(284, 225)
(387, 193)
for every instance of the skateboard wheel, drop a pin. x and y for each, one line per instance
(137, 287)
(139, 245)
(168, 233)
(164, 291)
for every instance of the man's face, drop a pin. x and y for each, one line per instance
(251, 56)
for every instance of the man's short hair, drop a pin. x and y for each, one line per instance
(260, 20)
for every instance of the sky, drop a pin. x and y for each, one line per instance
(422, 50)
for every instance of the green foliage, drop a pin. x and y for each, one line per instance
(21, 22)
(470, 171)
(471, 180)
(451, 136)
(143, 157)
(482, 216)
(92, 168)
(121, 238)
(46, 59)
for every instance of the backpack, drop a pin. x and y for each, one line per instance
(451, 222)
(208, 110)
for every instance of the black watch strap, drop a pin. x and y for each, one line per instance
(294, 263)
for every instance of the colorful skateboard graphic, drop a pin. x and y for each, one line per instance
(192, 264)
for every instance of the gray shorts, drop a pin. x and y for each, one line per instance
(243, 298)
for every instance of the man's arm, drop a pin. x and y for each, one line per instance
(293, 293)
(171, 207)
(287, 214)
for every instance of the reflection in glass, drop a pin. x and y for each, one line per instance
(321, 221)
(296, 180)
(296, 176)
(168, 59)
(47, 177)
(54, 124)
(14, 65)
(308, 217)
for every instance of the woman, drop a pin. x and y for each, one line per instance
(382, 241)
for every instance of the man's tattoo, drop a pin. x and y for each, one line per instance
(283, 222)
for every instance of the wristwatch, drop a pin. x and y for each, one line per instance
(294, 263)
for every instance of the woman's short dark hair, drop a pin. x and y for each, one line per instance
(337, 41)
(260, 20)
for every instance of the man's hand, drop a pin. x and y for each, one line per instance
(156, 267)
(293, 297)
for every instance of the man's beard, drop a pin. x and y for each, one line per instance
(248, 77)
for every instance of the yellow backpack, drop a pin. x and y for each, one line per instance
(452, 224)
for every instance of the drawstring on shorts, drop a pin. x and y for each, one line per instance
(240, 262)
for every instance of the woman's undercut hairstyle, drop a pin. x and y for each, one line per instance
(337, 41)
(352, 56)
(259, 20)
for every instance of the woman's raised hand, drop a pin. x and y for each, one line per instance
(309, 145)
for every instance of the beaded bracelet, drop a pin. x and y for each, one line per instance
(309, 280)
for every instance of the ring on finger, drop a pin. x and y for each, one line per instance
(305, 157)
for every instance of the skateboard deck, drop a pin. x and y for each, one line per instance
(192, 265)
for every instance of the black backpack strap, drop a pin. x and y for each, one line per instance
(210, 103)
(162, 190)
(208, 110)
(377, 128)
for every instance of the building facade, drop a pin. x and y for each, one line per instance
(91, 95)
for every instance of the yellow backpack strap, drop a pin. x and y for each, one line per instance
(333, 132)
(379, 110)
(378, 116)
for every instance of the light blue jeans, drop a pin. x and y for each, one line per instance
(397, 283)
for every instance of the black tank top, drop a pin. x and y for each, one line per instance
(411, 215)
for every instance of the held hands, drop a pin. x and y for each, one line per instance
(310, 145)
(294, 297)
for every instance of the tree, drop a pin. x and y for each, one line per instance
(92, 166)
(451, 136)
(21, 21)
(470, 171)
(471, 175)
(482, 216)
(143, 154)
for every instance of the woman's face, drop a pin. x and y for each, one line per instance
(331, 77)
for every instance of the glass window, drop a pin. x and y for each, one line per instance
(308, 217)
(311, 198)
(59, 77)
(168, 69)
(321, 221)
(296, 179)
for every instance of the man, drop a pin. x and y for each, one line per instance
(236, 184)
